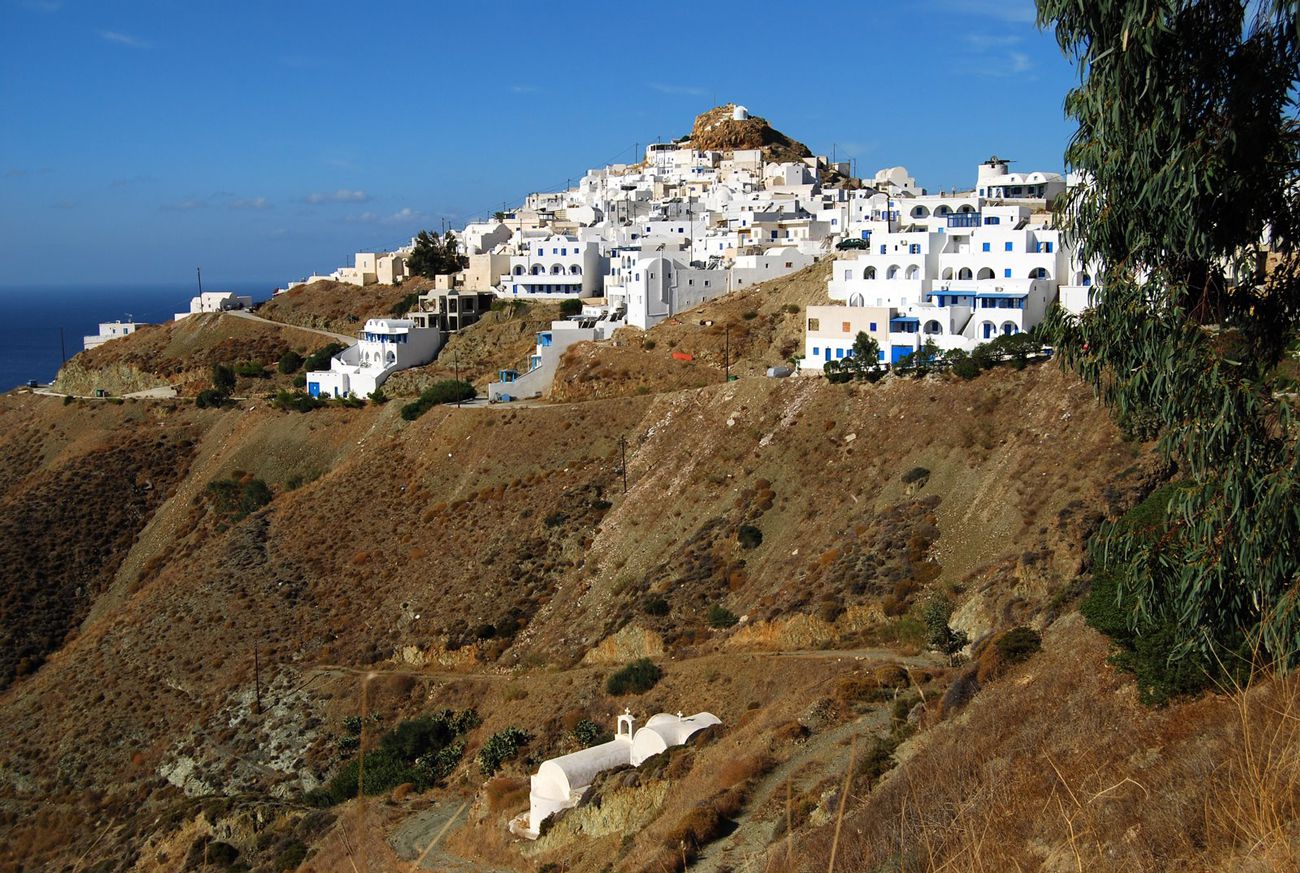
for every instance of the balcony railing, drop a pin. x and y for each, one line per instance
(964, 219)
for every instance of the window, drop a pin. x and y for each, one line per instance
(1010, 247)
(873, 327)
(844, 326)
(914, 249)
(839, 353)
(883, 249)
(987, 247)
(993, 219)
(1006, 274)
(814, 324)
(816, 351)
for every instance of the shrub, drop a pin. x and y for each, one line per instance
(938, 635)
(720, 616)
(915, 475)
(378, 397)
(405, 305)
(290, 362)
(749, 536)
(223, 378)
(67, 400)
(648, 345)
(250, 370)
(235, 498)
(500, 747)
(589, 733)
(446, 391)
(291, 856)
(297, 401)
(749, 315)
(570, 306)
(421, 751)
(655, 604)
(792, 308)
(300, 381)
(1018, 644)
(320, 359)
(209, 398)
(637, 677)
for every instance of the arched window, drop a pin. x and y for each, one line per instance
(392, 356)
(965, 274)
(892, 272)
(946, 275)
(942, 209)
(538, 270)
(1038, 273)
(557, 270)
(914, 272)
(965, 209)
(869, 273)
(986, 273)
(987, 329)
(575, 270)
(1085, 280)
(920, 212)
(1009, 327)
(933, 327)
(855, 300)
(519, 269)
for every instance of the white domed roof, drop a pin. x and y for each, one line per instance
(739, 113)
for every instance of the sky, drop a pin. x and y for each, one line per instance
(266, 141)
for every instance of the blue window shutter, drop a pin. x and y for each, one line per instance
(1006, 274)
(1010, 247)
(816, 351)
(873, 326)
(986, 247)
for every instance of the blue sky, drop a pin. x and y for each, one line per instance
(264, 141)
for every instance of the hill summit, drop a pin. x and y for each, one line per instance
(717, 130)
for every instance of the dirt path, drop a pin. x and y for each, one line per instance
(419, 838)
(340, 337)
(823, 755)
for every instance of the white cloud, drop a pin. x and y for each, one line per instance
(188, 204)
(679, 90)
(524, 89)
(126, 39)
(984, 42)
(343, 195)
(250, 203)
(406, 215)
(43, 5)
(1014, 11)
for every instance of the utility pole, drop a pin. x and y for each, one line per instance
(199, 271)
(257, 681)
(622, 448)
(455, 360)
(63, 350)
(726, 353)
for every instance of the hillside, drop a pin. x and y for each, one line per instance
(496, 539)
(716, 130)
(338, 306)
(758, 327)
(182, 353)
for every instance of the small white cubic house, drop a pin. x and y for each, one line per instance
(110, 330)
(560, 782)
(386, 345)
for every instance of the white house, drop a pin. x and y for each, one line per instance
(560, 782)
(386, 345)
(655, 287)
(555, 266)
(539, 372)
(386, 268)
(109, 330)
(216, 301)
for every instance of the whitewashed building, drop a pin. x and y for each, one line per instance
(110, 330)
(385, 346)
(216, 301)
(560, 782)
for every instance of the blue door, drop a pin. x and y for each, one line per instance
(828, 353)
(897, 353)
(313, 388)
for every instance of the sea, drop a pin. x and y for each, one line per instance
(32, 317)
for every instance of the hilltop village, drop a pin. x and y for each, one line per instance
(732, 205)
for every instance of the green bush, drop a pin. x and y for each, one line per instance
(938, 635)
(1018, 644)
(749, 315)
(446, 391)
(290, 362)
(236, 498)
(655, 604)
(291, 857)
(251, 370)
(320, 359)
(223, 378)
(378, 397)
(589, 733)
(297, 401)
(422, 751)
(300, 381)
(720, 616)
(500, 747)
(405, 305)
(637, 677)
(749, 536)
(648, 345)
(209, 398)
(570, 306)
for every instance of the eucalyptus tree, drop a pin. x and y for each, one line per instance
(1190, 202)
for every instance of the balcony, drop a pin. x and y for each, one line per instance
(964, 219)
